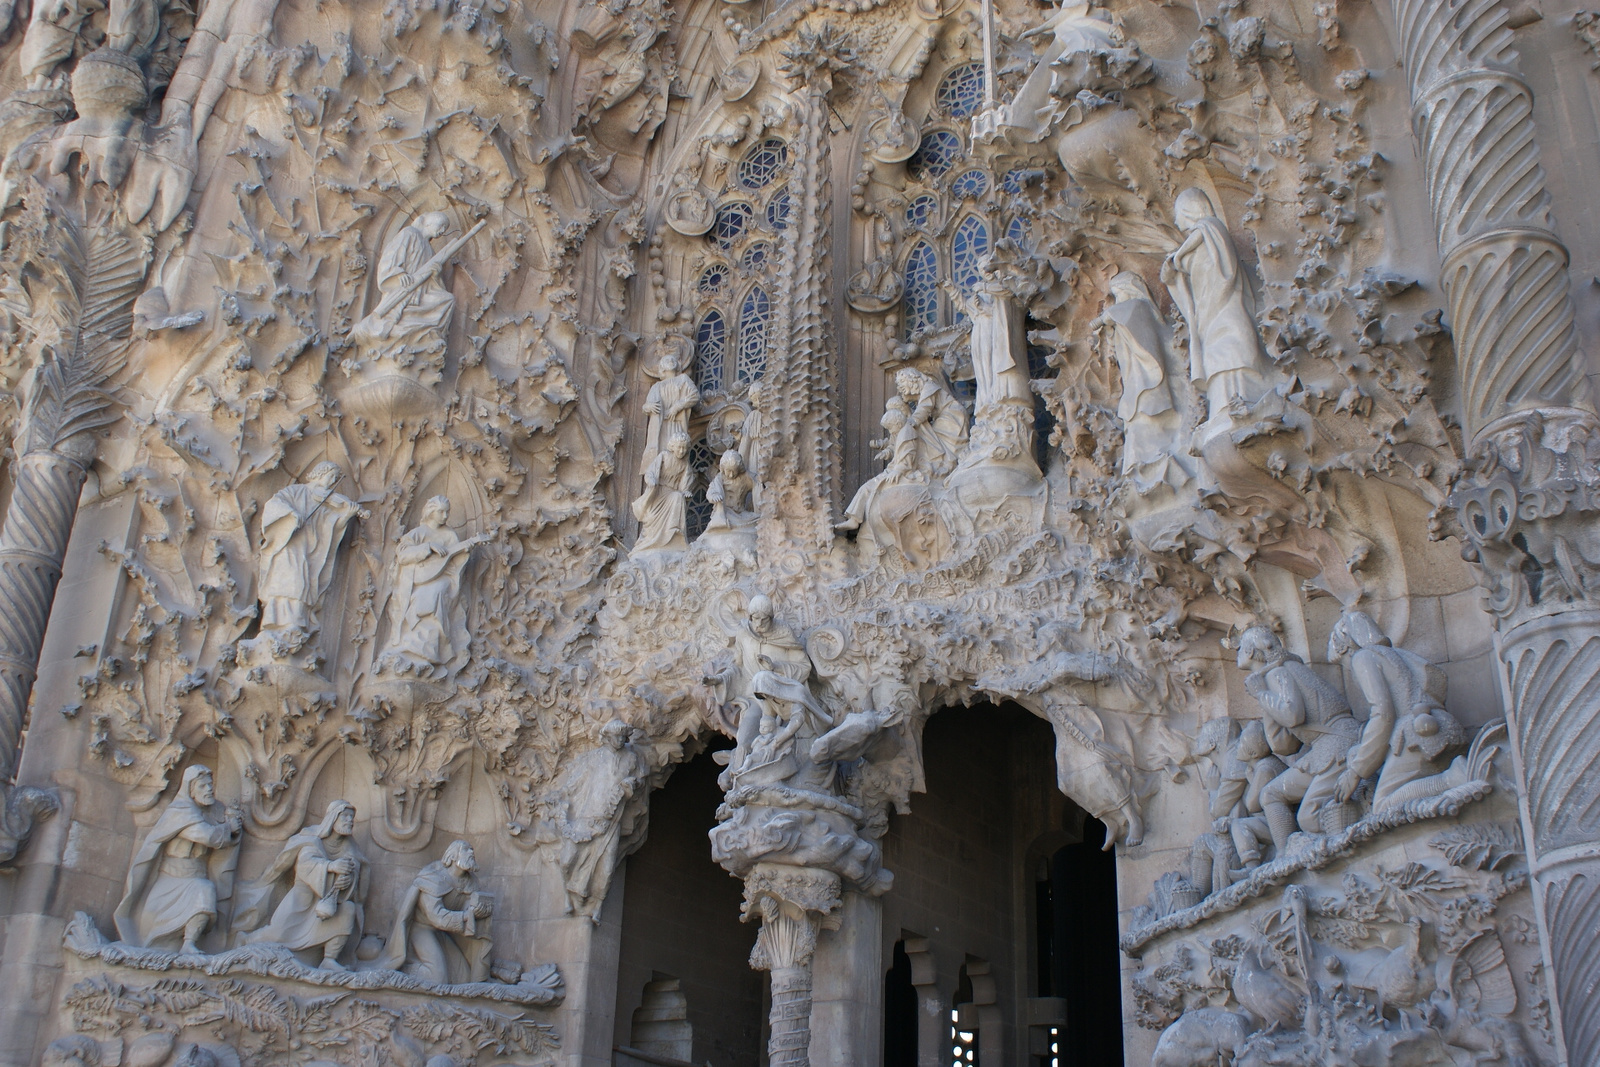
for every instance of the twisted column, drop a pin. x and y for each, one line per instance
(1529, 507)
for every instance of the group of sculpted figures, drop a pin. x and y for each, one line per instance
(1308, 764)
(310, 899)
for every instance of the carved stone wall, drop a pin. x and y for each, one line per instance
(428, 426)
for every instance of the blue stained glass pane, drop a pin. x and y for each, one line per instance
(710, 342)
(762, 163)
(961, 91)
(922, 212)
(779, 210)
(1016, 180)
(713, 278)
(755, 322)
(921, 301)
(699, 508)
(756, 256)
(969, 245)
(1018, 230)
(973, 183)
(935, 156)
(731, 222)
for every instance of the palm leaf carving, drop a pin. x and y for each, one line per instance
(84, 289)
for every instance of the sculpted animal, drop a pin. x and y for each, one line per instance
(1206, 1037)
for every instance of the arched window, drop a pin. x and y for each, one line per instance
(711, 279)
(755, 322)
(922, 213)
(780, 209)
(921, 289)
(935, 156)
(710, 344)
(967, 249)
(961, 91)
(699, 508)
(971, 185)
(762, 163)
(730, 224)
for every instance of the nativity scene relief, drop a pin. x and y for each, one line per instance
(844, 533)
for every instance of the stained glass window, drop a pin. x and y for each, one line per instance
(922, 289)
(699, 509)
(969, 245)
(974, 183)
(755, 322)
(1018, 230)
(922, 213)
(710, 342)
(961, 91)
(756, 256)
(935, 156)
(762, 163)
(731, 222)
(713, 278)
(779, 210)
(1016, 179)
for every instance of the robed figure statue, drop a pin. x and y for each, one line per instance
(327, 875)
(301, 528)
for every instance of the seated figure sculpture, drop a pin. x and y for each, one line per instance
(1308, 723)
(730, 494)
(441, 932)
(183, 872)
(327, 875)
(414, 323)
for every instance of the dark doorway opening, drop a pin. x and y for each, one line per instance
(1076, 916)
(899, 1012)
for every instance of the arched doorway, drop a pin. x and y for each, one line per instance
(1075, 911)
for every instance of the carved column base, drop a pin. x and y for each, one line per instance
(793, 904)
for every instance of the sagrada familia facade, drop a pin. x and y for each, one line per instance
(851, 533)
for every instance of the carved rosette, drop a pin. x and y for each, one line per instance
(793, 904)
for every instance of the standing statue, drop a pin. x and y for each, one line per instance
(1134, 335)
(427, 621)
(598, 805)
(938, 421)
(183, 872)
(441, 933)
(997, 337)
(301, 528)
(413, 313)
(729, 494)
(750, 441)
(663, 508)
(1308, 723)
(668, 403)
(1213, 293)
(327, 875)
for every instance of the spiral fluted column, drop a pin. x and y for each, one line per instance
(1529, 506)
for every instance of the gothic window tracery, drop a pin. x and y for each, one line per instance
(755, 323)
(710, 347)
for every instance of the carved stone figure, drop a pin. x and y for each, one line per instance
(183, 873)
(1399, 685)
(667, 405)
(1308, 723)
(301, 528)
(1132, 331)
(689, 211)
(598, 807)
(877, 286)
(427, 621)
(750, 440)
(1245, 766)
(413, 312)
(441, 931)
(52, 36)
(937, 420)
(1073, 32)
(322, 910)
(729, 494)
(898, 449)
(997, 338)
(1214, 294)
(662, 510)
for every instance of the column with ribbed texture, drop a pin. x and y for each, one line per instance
(1529, 508)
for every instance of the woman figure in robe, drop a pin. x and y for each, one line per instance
(418, 324)
(427, 624)
(662, 510)
(328, 876)
(1213, 293)
(996, 338)
(1138, 340)
(301, 528)
(183, 872)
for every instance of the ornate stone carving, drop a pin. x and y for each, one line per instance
(441, 930)
(596, 811)
(427, 620)
(322, 911)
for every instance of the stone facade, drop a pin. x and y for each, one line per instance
(643, 533)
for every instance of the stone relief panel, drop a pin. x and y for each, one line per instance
(474, 383)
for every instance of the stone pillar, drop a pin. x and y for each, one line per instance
(792, 904)
(588, 953)
(1529, 506)
(847, 986)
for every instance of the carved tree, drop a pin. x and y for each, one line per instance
(84, 278)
